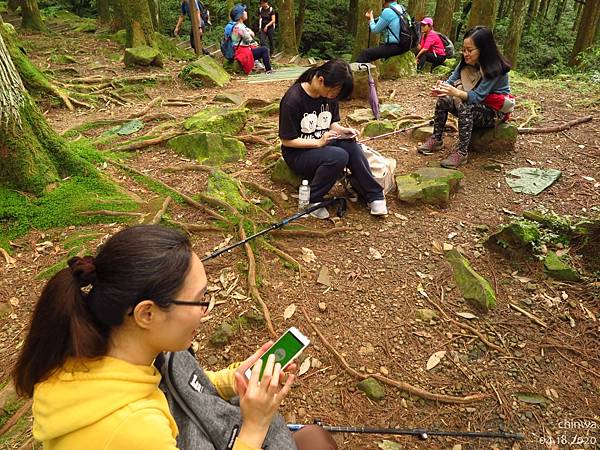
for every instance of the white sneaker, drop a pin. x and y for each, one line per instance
(258, 65)
(378, 208)
(320, 213)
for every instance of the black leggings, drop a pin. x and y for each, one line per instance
(429, 57)
(381, 52)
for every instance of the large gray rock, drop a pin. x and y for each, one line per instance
(361, 83)
(361, 115)
(400, 66)
(204, 72)
(499, 139)
(472, 285)
(432, 185)
(208, 148)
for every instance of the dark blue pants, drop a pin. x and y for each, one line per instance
(323, 166)
(262, 53)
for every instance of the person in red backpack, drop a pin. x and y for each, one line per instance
(477, 92)
(431, 48)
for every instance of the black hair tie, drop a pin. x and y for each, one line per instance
(83, 269)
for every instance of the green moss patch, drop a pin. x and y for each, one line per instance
(218, 120)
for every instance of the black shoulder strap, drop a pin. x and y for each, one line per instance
(399, 14)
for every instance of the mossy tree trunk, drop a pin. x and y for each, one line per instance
(515, 30)
(31, 17)
(417, 9)
(588, 25)
(483, 12)
(12, 5)
(32, 155)
(456, 23)
(361, 37)
(352, 16)
(444, 10)
(154, 13)
(116, 12)
(287, 30)
(300, 20)
(103, 7)
(138, 23)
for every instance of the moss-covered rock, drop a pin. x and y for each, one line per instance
(222, 335)
(233, 67)
(204, 72)
(422, 134)
(400, 66)
(372, 388)
(228, 97)
(390, 111)
(515, 235)
(256, 103)
(432, 185)
(169, 48)
(269, 110)
(143, 55)
(558, 269)
(472, 285)
(120, 37)
(361, 115)
(281, 173)
(208, 148)
(225, 188)
(218, 120)
(361, 80)
(499, 139)
(377, 128)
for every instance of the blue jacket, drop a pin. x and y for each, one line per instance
(498, 85)
(386, 21)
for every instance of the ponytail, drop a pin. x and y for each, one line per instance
(145, 262)
(335, 73)
(61, 326)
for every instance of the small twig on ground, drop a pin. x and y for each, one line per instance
(105, 212)
(399, 384)
(557, 128)
(161, 211)
(148, 107)
(310, 233)
(572, 362)
(193, 167)
(25, 407)
(532, 116)
(250, 139)
(284, 256)
(528, 314)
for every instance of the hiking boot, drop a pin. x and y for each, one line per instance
(320, 213)
(430, 146)
(378, 208)
(454, 161)
(269, 72)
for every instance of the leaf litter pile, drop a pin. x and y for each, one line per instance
(376, 296)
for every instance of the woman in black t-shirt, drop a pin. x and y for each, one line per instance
(314, 144)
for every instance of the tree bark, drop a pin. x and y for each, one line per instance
(444, 11)
(590, 19)
(32, 155)
(352, 17)
(12, 5)
(417, 9)
(560, 8)
(532, 12)
(138, 24)
(300, 20)
(287, 27)
(578, 9)
(117, 19)
(31, 17)
(515, 30)
(483, 12)
(361, 39)
(103, 12)
(154, 13)
(455, 22)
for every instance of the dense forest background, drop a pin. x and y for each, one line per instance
(326, 28)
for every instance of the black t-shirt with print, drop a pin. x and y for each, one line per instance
(302, 116)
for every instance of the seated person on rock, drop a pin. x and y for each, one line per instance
(477, 92)
(431, 48)
(395, 40)
(96, 330)
(314, 144)
(246, 48)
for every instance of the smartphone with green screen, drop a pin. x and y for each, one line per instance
(287, 348)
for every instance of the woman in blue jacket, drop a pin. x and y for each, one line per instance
(477, 92)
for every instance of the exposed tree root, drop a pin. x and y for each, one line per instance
(189, 200)
(118, 80)
(16, 416)
(557, 128)
(266, 153)
(310, 233)
(105, 212)
(247, 200)
(220, 204)
(283, 255)
(254, 292)
(137, 145)
(250, 139)
(193, 167)
(161, 211)
(194, 227)
(389, 381)
(148, 107)
(264, 191)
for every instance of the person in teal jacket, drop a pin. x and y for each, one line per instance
(395, 42)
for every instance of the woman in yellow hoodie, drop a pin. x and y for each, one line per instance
(95, 332)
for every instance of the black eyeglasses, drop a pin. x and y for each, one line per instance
(204, 303)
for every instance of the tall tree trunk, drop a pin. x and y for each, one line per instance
(117, 18)
(103, 7)
(32, 155)
(417, 9)
(515, 30)
(31, 17)
(578, 11)
(154, 13)
(138, 24)
(454, 34)
(361, 37)
(483, 12)
(352, 17)
(287, 27)
(302, 4)
(444, 9)
(532, 11)
(12, 5)
(560, 8)
(590, 19)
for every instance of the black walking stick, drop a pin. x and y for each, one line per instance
(420, 433)
(340, 203)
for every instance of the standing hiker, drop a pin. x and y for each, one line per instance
(246, 49)
(431, 48)
(266, 24)
(477, 92)
(396, 40)
(314, 144)
(203, 20)
(96, 330)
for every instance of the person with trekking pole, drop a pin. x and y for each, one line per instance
(396, 40)
(97, 330)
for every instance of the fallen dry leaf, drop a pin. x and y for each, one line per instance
(304, 366)
(435, 359)
(375, 254)
(289, 311)
(467, 315)
(323, 277)
(308, 256)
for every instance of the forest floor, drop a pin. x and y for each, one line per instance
(368, 314)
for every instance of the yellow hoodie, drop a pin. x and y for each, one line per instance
(109, 404)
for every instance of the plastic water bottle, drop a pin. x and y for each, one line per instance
(303, 195)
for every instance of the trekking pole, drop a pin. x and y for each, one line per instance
(392, 133)
(420, 433)
(340, 212)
